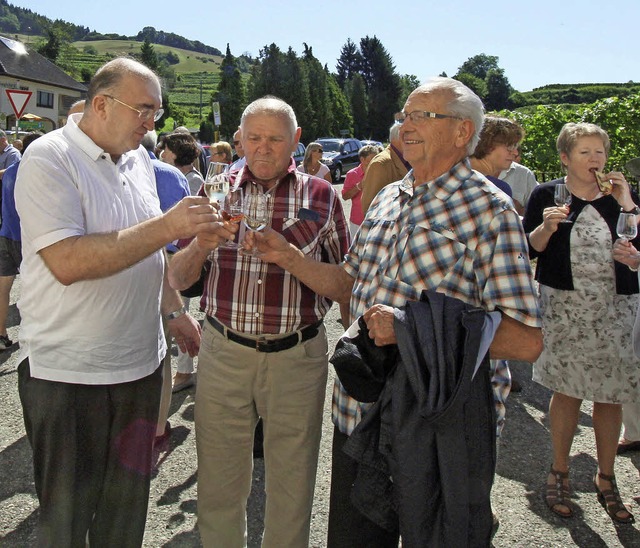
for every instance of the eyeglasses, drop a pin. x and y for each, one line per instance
(144, 114)
(419, 116)
(512, 148)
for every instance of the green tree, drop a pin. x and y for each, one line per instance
(408, 82)
(383, 86)
(148, 55)
(341, 118)
(321, 111)
(231, 95)
(498, 90)
(357, 94)
(479, 65)
(349, 63)
(51, 48)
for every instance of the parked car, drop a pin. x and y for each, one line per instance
(339, 155)
(298, 153)
(370, 142)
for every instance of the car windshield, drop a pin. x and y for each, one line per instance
(330, 146)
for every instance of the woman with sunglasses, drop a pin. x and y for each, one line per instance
(312, 165)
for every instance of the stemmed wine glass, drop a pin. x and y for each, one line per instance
(233, 211)
(256, 215)
(562, 197)
(627, 226)
(216, 183)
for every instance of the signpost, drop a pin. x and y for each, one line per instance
(18, 99)
(216, 119)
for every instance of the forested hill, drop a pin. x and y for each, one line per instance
(24, 21)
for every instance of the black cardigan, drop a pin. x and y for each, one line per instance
(554, 263)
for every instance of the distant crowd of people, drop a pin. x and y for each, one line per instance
(112, 232)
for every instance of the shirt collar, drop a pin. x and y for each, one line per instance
(445, 185)
(73, 132)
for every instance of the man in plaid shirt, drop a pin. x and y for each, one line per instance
(442, 227)
(264, 348)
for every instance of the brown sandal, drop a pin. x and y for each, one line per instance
(558, 494)
(611, 501)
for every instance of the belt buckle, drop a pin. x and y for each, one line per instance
(260, 343)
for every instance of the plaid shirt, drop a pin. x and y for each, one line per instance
(457, 234)
(255, 297)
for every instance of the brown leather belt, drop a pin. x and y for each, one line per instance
(267, 345)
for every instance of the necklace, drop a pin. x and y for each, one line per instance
(313, 170)
(589, 196)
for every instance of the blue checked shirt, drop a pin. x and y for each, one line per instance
(457, 234)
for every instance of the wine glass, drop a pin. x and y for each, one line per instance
(233, 212)
(216, 184)
(256, 215)
(627, 226)
(562, 197)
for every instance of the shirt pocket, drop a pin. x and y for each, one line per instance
(304, 234)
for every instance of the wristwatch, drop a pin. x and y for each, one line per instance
(635, 210)
(176, 313)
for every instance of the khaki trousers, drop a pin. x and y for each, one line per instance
(236, 384)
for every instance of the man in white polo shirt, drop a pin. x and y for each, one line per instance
(93, 293)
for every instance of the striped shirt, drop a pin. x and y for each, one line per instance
(252, 296)
(457, 234)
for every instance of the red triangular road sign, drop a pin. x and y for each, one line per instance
(18, 99)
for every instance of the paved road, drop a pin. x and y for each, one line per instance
(517, 494)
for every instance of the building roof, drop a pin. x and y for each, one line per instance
(26, 64)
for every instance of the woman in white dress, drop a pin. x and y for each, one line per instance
(588, 302)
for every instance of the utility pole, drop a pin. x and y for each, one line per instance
(201, 99)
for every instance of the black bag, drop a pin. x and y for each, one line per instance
(197, 288)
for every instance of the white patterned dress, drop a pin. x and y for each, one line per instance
(588, 351)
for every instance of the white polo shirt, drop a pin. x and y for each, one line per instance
(103, 331)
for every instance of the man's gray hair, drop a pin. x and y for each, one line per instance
(271, 106)
(109, 75)
(150, 140)
(464, 103)
(3, 134)
(394, 132)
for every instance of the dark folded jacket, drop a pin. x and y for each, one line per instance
(426, 449)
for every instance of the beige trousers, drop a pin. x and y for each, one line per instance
(236, 384)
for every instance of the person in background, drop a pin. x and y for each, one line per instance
(311, 163)
(264, 350)
(630, 438)
(181, 151)
(499, 141)
(220, 152)
(172, 186)
(8, 153)
(10, 242)
(387, 167)
(19, 145)
(522, 182)
(239, 160)
(93, 295)
(389, 265)
(589, 300)
(352, 189)
(202, 161)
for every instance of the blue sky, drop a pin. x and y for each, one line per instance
(543, 42)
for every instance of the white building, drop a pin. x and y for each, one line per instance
(53, 90)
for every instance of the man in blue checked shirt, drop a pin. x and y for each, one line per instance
(442, 227)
